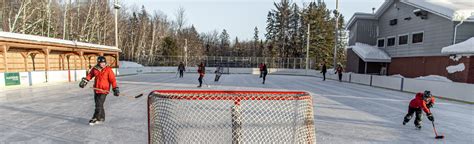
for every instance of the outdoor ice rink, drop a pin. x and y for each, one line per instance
(344, 112)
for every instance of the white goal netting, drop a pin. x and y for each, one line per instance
(190, 116)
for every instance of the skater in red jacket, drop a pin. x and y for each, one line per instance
(422, 101)
(202, 72)
(104, 77)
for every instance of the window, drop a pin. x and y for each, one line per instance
(391, 41)
(417, 37)
(381, 42)
(403, 40)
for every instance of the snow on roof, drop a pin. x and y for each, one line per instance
(370, 53)
(465, 47)
(52, 40)
(455, 10)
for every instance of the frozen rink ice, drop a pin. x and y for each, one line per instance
(344, 112)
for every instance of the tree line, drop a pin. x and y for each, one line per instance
(145, 36)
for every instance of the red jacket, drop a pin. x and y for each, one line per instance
(103, 79)
(419, 102)
(201, 71)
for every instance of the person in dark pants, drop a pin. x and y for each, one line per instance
(339, 71)
(323, 71)
(104, 77)
(264, 72)
(260, 67)
(181, 69)
(422, 101)
(201, 71)
(218, 73)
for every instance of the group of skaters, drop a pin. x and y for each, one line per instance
(338, 71)
(106, 83)
(201, 71)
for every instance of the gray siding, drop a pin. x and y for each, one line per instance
(465, 31)
(352, 34)
(366, 31)
(438, 31)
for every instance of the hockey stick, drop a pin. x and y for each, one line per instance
(137, 96)
(204, 81)
(434, 129)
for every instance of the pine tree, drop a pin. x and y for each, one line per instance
(224, 43)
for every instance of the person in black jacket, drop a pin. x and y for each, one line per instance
(324, 70)
(264, 72)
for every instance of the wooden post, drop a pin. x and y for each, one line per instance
(46, 57)
(25, 60)
(5, 50)
(81, 59)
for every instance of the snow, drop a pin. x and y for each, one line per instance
(9, 35)
(344, 112)
(456, 68)
(455, 10)
(398, 75)
(370, 53)
(465, 47)
(129, 64)
(434, 78)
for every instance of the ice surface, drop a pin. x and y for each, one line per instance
(344, 112)
(456, 68)
(370, 53)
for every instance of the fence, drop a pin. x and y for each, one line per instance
(241, 62)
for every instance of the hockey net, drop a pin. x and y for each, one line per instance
(192, 116)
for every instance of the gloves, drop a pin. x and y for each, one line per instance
(83, 82)
(430, 105)
(116, 91)
(430, 117)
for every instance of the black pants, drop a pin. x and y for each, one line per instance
(418, 115)
(218, 76)
(324, 76)
(261, 74)
(340, 77)
(200, 80)
(264, 76)
(181, 73)
(99, 112)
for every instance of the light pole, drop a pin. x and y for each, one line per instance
(116, 7)
(336, 32)
(186, 52)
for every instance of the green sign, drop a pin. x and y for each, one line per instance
(12, 79)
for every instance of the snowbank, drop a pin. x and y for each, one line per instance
(465, 47)
(51, 40)
(434, 78)
(370, 53)
(128, 64)
(398, 76)
(456, 68)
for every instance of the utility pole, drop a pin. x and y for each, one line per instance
(337, 34)
(307, 48)
(117, 7)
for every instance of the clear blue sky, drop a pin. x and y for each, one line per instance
(238, 17)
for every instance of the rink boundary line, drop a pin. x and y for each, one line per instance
(381, 99)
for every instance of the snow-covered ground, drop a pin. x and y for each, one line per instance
(129, 64)
(344, 112)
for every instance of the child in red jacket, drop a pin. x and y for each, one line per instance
(104, 77)
(422, 101)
